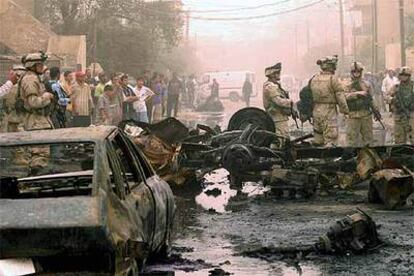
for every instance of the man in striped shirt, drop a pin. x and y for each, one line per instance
(82, 102)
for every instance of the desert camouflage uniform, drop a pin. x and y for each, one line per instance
(277, 103)
(36, 115)
(360, 123)
(327, 93)
(11, 120)
(403, 118)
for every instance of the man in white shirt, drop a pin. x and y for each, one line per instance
(11, 80)
(142, 93)
(388, 83)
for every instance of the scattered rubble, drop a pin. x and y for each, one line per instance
(356, 233)
(250, 151)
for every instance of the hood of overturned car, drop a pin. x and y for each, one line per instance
(52, 226)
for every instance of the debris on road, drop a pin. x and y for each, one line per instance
(251, 151)
(355, 233)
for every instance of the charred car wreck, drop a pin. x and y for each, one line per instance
(94, 204)
(250, 151)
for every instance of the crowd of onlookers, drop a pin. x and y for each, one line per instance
(84, 100)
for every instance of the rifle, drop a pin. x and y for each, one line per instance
(295, 115)
(375, 112)
(377, 115)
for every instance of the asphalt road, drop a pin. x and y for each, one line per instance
(214, 230)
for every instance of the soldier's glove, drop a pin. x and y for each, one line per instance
(13, 77)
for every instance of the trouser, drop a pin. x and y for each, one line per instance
(142, 117)
(156, 113)
(38, 157)
(325, 124)
(247, 100)
(360, 131)
(18, 153)
(282, 130)
(149, 105)
(403, 129)
(325, 132)
(10, 126)
(172, 103)
(81, 121)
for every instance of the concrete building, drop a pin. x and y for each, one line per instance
(388, 26)
(21, 33)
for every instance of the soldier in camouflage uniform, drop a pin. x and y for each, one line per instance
(276, 100)
(327, 93)
(12, 120)
(36, 103)
(33, 93)
(359, 95)
(402, 102)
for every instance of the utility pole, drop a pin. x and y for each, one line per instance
(187, 27)
(374, 36)
(341, 22)
(402, 34)
(354, 42)
(308, 44)
(95, 42)
(296, 44)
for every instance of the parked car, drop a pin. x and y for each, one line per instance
(81, 199)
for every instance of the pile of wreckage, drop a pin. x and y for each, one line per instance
(251, 151)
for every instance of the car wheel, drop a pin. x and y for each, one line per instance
(234, 96)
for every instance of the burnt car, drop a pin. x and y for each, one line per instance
(83, 199)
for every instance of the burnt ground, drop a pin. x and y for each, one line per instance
(239, 234)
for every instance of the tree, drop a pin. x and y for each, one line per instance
(131, 35)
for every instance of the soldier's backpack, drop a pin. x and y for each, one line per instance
(305, 104)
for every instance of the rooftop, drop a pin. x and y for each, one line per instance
(63, 135)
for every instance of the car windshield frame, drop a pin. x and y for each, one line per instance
(60, 174)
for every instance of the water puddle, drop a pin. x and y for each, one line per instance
(217, 192)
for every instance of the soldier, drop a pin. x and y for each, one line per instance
(402, 102)
(32, 91)
(276, 101)
(12, 120)
(34, 102)
(327, 93)
(359, 95)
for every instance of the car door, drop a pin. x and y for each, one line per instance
(139, 197)
(162, 194)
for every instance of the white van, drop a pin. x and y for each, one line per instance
(231, 83)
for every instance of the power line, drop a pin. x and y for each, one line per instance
(256, 16)
(203, 18)
(242, 8)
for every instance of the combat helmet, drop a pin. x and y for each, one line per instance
(405, 71)
(273, 69)
(327, 63)
(357, 66)
(32, 59)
